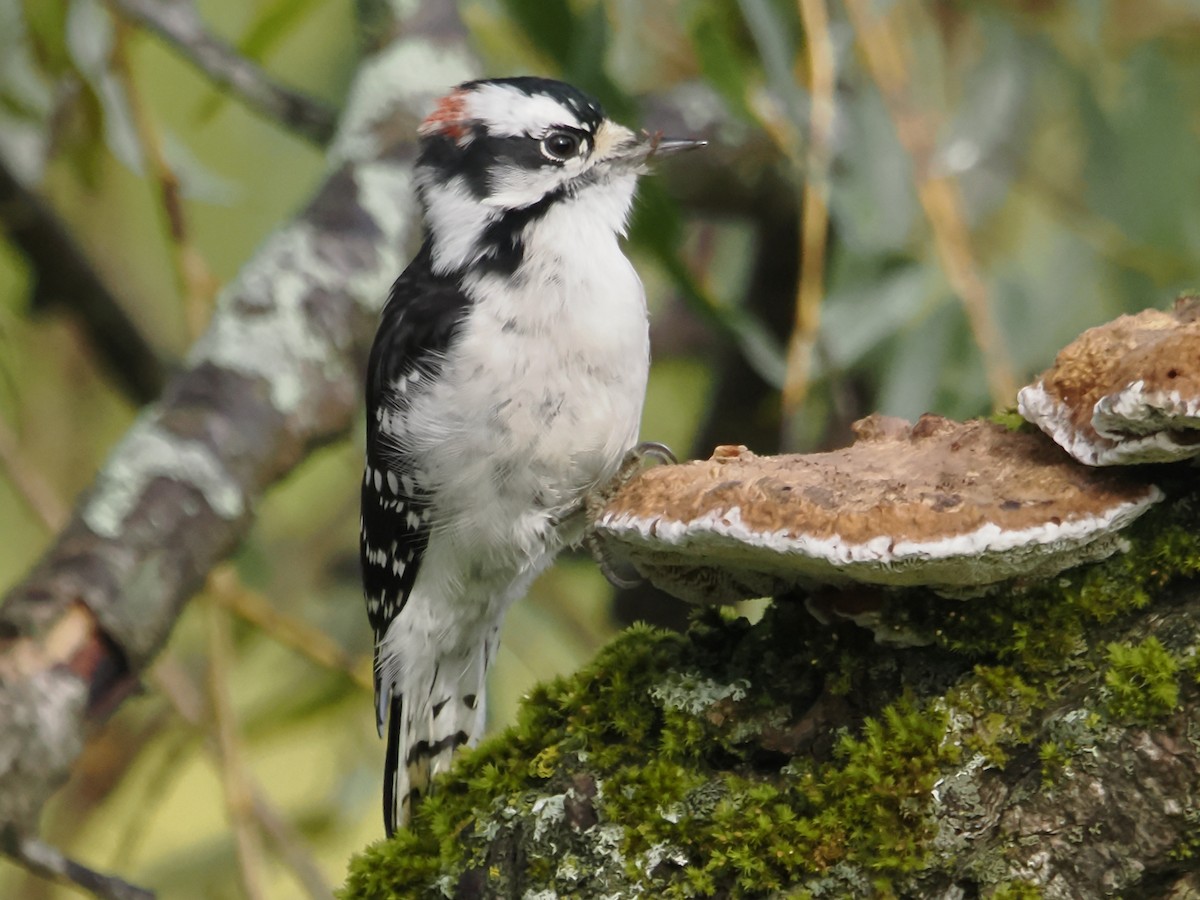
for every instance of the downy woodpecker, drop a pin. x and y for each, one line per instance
(505, 385)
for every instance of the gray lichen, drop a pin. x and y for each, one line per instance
(149, 452)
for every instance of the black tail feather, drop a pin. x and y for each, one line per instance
(392, 814)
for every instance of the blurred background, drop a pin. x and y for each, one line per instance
(907, 206)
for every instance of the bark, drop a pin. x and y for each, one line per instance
(276, 374)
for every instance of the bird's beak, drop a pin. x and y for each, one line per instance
(661, 146)
(647, 148)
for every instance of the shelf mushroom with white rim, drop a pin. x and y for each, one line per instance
(1125, 392)
(952, 506)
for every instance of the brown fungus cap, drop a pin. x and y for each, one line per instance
(1125, 392)
(953, 506)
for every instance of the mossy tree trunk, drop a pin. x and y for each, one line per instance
(1044, 743)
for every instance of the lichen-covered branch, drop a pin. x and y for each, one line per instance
(1042, 743)
(275, 375)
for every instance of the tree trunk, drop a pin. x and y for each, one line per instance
(1042, 742)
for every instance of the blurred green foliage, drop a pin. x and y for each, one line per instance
(1068, 127)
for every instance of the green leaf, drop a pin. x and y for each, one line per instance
(775, 35)
(548, 24)
(1144, 163)
(45, 22)
(911, 378)
(578, 43)
(726, 62)
(872, 201)
(90, 39)
(657, 228)
(861, 315)
(272, 27)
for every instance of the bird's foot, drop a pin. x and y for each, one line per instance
(599, 498)
(630, 468)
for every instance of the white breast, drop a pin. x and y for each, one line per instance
(539, 396)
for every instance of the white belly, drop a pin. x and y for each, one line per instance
(536, 403)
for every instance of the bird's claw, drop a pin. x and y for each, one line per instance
(631, 464)
(652, 450)
(591, 540)
(599, 498)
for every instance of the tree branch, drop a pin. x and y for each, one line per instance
(49, 862)
(65, 278)
(177, 22)
(276, 374)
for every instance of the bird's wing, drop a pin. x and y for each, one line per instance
(418, 323)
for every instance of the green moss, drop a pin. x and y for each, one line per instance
(1001, 707)
(1189, 847)
(867, 807)
(1069, 741)
(1055, 759)
(882, 780)
(1017, 890)
(1010, 418)
(1041, 628)
(599, 713)
(1039, 633)
(648, 718)
(1142, 682)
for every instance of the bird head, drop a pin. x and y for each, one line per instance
(505, 150)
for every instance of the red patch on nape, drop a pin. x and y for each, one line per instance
(449, 117)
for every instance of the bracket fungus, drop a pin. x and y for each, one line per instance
(1125, 392)
(952, 506)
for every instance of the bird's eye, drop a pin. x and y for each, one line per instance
(560, 145)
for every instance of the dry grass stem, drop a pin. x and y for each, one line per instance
(235, 780)
(814, 218)
(186, 699)
(33, 488)
(197, 284)
(938, 193)
(309, 642)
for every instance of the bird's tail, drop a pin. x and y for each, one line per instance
(427, 722)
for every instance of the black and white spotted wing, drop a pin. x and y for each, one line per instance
(420, 319)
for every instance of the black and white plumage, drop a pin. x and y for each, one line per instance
(505, 384)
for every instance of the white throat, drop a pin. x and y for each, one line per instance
(458, 219)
